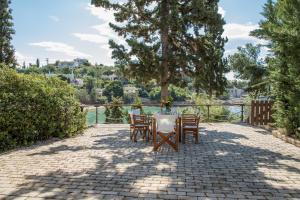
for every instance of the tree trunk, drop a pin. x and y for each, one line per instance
(164, 92)
(164, 78)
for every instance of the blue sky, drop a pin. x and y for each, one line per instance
(66, 29)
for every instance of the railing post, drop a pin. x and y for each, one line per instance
(208, 115)
(242, 113)
(97, 121)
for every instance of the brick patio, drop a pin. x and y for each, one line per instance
(231, 162)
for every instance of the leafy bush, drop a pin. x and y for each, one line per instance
(177, 94)
(154, 94)
(113, 89)
(83, 96)
(34, 108)
(143, 93)
(102, 99)
(113, 112)
(217, 113)
(128, 98)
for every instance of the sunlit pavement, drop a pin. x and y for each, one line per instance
(231, 161)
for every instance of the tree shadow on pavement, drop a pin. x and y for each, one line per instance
(223, 165)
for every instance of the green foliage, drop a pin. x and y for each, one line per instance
(128, 98)
(83, 96)
(238, 84)
(177, 94)
(143, 93)
(102, 99)
(138, 104)
(217, 113)
(249, 67)
(281, 28)
(169, 41)
(90, 84)
(34, 108)
(6, 31)
(113, 112)
(113, 89)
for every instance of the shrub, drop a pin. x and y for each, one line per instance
(113, 112)
(113, 89)
(102, 99)
(83, 96)
(128, 98)
(177, 94)
(34, 108)
(217, 113)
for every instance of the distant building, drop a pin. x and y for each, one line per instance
(129, 89)
(78, 82)
(111, 77)
(75, 63)
(235, 92)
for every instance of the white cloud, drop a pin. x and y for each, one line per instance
(103, 14)
(60, 48)
(24, 58)
(104, 32)
(221, 11)
(229, 52)
(91, 38)
(239, 31)
(54, 18)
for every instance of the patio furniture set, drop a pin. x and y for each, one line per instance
(162, 128)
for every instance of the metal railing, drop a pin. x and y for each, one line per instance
(208, 112)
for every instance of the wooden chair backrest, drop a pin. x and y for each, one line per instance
(190, 120)
(139, 119)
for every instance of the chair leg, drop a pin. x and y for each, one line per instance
(196, 137)
(134, 135)
(183, 137)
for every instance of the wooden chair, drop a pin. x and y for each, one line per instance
(190, 124)
(165, 130)
(140, 125)
(131, 113)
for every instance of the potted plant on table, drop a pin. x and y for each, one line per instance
(166, 106)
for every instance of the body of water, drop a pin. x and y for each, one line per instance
(91, 114)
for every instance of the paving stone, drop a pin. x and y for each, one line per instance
(231, 161)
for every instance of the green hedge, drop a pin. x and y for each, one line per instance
(34, 108)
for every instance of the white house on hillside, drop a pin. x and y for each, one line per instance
(112, 77)
(235, 92)
(75, 63)
(129, 89)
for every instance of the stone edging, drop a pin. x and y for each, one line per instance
(285, 138)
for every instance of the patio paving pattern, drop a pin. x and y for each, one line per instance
(231, 161)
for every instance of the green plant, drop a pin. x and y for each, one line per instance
(137, 104)
(83, 96)
(177, 93)
(34, 108)
(113, 89)
(216, 113)
(113, 112)
(281, 29)
(102, 99)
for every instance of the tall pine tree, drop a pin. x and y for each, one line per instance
(281, 27)
(6, 31)
(169, 40)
